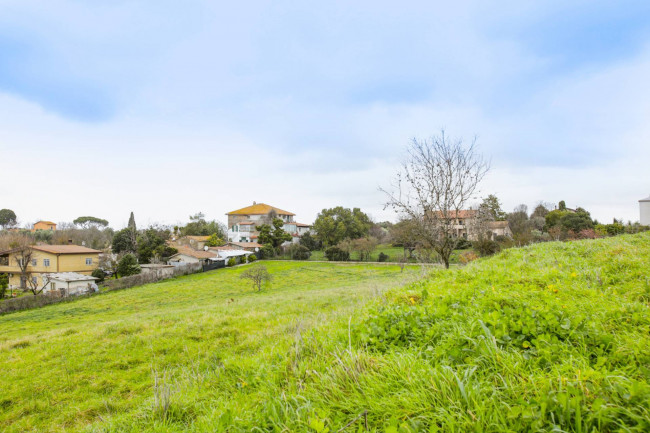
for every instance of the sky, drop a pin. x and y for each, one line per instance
(169, 108)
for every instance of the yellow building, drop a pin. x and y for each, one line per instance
(49, 259)
(44, 225)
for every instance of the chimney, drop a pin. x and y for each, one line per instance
(69, 241)
(254, 203)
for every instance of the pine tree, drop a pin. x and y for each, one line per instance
(132, 223)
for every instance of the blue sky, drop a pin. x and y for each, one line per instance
(168, 108)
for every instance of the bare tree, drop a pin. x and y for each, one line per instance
(257, 274)
(437, 180)
(24, 256)
(33, 286)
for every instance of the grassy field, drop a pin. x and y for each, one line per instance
(214, 345)
(553, 337)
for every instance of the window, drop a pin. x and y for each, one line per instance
(53, 286)
(34, 262)
(89, 261)
(35, 280)
(46, 262)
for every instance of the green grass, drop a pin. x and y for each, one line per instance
(217, 345)
(553, 337)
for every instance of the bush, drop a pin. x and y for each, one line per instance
(298, 252)
(99, 274)
(382, 257)
(232, 262)
(463, 244)
(267, 251)
(128, 265)
(252, 258)
(335, 254)
(468, 256)
(486, 247)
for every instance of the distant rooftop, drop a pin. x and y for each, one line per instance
(259, 209)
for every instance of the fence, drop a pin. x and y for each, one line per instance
(153, 276)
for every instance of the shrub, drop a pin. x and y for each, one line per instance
(4, 283)
(298, 252)
(463, 244)
(468, 256)
(251, 258)
(100, 274)
(382, 257)
(232, 262)
(335, 254)
(128, 265)
(486, 247)
(267, 251)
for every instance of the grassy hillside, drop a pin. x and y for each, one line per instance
(552, 337)
(210, 341)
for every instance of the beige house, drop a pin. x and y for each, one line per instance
(466, 226)
(499, 228)
(48, 259)
(44, 225)
(194, 242)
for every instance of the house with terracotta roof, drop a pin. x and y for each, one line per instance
(465, 225)
(47, 259)
(242, 222)
(44, 225)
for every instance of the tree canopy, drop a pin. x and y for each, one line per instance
(152, 245)
(90, 221)
(339, 223)
(198, 226)
(123, 241)
(273, 234)
(491, 207)
(7, 218)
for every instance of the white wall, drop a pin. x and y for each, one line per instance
(644, 208)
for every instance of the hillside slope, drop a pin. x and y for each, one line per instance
(164, 356)
(551, 337)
